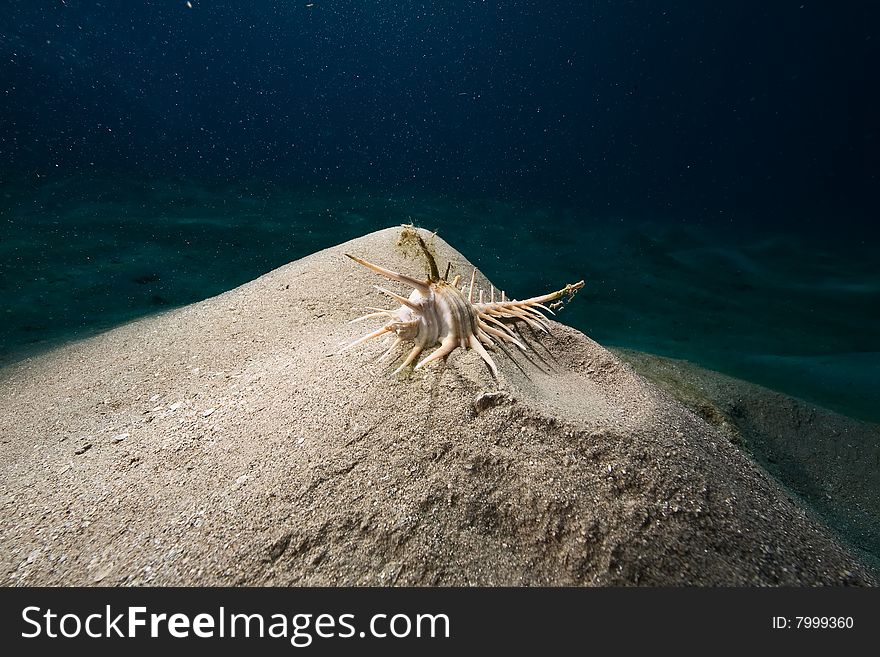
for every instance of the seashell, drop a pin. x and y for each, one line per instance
(438, 312)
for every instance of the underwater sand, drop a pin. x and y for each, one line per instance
(228, 442)
(796, 312)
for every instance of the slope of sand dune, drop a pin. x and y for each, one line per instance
(227, 443)
(829, 460)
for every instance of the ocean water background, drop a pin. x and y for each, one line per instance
(710, 169)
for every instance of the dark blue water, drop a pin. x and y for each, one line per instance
(711, 169)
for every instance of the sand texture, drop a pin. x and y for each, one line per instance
(226, 443)
(829, 460)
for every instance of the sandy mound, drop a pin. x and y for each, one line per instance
(829, 460)
(226, 443)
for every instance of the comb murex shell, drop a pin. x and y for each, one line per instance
(438, 312)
